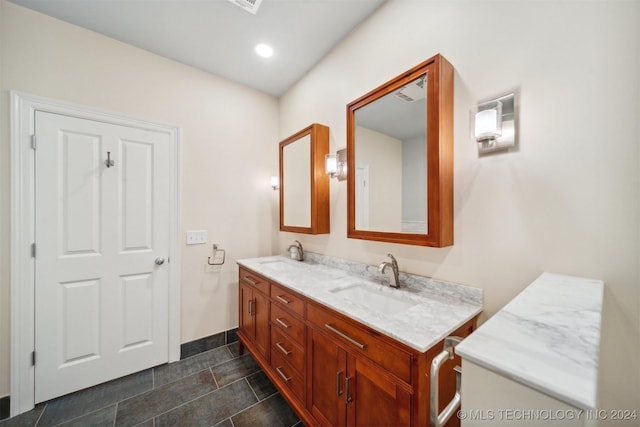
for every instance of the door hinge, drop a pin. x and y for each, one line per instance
(33, 358)
(33, 250)
(33, 142)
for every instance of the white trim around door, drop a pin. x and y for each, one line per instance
(23, 108)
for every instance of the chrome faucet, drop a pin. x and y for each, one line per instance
(299, 252)
(394, 280)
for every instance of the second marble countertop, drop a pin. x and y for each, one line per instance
(436, 308)
(547, 337)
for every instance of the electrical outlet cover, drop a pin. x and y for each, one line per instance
(196, 237)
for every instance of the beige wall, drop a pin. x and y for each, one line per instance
(566, 202)
(226, 162)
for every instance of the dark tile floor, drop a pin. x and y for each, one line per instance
(213, 388)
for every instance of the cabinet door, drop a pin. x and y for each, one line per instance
(261, 319)
(246, 324)
(327, 378)
(375, 399)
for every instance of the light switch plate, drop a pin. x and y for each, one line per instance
(196, 237)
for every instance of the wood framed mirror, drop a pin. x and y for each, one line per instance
(400, 159)
(304, 185)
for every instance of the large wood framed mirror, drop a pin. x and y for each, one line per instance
(400, 159)
(304, 185)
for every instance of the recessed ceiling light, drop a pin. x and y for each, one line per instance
(264, 50)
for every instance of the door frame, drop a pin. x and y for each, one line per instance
(22, 263)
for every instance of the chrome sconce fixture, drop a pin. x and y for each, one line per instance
(274, 181)
(494, 124)
(336, 164)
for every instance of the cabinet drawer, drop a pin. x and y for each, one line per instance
(254, 280)
(288, 299)
(289, 376)
(290, 325)
(289, 350)
(351, 335)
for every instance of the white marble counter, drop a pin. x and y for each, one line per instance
(547, 338)
(435, 308)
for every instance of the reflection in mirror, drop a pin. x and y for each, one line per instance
(304, 185)
(400, 158)
(297, 181)
(391, 158)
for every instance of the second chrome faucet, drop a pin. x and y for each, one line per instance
(394, 279)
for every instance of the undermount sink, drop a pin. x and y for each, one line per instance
(276, 265)
(376, 299)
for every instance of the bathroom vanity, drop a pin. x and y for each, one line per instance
(342, 346)
(535, 362)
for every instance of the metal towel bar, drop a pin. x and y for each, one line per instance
(439, 419)
(215, 252)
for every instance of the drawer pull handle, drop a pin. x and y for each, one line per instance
(346, 337)
(338, 392)
(347, 398)
(282, 349)
(283, 299)
(250, 306)
(284, 377)
(250, 280)
(282, 323)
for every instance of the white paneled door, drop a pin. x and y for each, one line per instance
(102, 243)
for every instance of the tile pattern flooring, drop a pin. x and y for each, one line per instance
(213, 388)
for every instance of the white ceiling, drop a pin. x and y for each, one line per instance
(219, 37)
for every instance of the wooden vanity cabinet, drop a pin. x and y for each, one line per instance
(253, 312)
(356, 377)
(288, 335)
(335, 371)
(347, 389)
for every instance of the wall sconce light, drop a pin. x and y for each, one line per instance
(494, 124)
(336, 165)
(275, 182)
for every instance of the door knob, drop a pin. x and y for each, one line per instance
(159, 261)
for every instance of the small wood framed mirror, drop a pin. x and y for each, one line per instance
(400, 159)
(304, 185)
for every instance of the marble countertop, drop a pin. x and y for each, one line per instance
(547, 337)
(420, 314)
